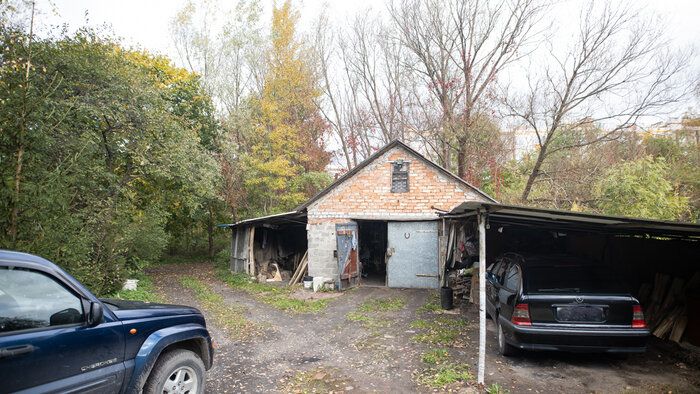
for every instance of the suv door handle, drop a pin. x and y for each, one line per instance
(15, 351)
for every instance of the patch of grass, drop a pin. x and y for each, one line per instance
(278, 297)
(319, 380)
(244, 282)
(358, 317)
(435, 356)
(443, 375)
(382, 304)
(432, 304)
(145, 291)
(443, 330)
(420, 324)
(226, 315)
(497, 389)
(452, 322)
(367, 321)
(438, 336)
(294, 305)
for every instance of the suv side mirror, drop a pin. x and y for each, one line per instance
(95, 315)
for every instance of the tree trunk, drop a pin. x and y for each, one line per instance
(15, 208)
(210, 231)
(461, 158)
(535, 172)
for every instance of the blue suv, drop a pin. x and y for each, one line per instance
(55, 336)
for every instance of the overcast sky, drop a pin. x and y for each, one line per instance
(144, 23)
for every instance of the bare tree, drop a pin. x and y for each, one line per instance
(459, 48)
(616, 70)
(366, 88)
(221, 46)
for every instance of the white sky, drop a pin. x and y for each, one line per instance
(144, 23)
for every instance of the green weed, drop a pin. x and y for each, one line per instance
(382, 304)
(275, 296)
(431, 304)
(442, 375)
(497, 389)
(145, 291)
(359, 317)
(438, 336)
(420, 324)
(294, 305)
(451, 322)
(435, 356)
(226, 315)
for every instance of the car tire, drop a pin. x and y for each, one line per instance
(504, 347)
(177, 371)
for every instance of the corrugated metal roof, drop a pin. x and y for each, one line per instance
(577, 220)
(280, 218)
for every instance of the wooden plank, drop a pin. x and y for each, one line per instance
(667, 323)
(251, 255)
(302, 266)
(675, 292)
(679, 327)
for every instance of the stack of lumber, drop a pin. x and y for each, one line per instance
(462, 286)
(665, 303)
(301, 269)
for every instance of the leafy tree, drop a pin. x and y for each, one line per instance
(110, 144)
(288, 129)
(640, 188)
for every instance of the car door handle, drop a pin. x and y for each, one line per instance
(15, 351)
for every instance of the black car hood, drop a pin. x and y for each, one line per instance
(128, 309)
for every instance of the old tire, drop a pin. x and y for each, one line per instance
(177, 371)
(503, 347)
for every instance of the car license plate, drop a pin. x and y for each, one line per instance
(581, 313)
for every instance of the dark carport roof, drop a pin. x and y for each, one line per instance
(576, 221)
(294, 217)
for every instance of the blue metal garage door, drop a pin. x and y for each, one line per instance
(414, 255)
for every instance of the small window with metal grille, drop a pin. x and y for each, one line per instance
(399, 177)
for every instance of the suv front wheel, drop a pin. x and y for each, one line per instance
(177, 371)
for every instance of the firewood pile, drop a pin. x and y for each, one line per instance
(666, 305)
(462, 286)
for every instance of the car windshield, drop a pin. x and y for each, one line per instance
(573, 278)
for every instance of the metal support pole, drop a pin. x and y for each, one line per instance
(482, 296)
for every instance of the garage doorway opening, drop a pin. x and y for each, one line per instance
(372, 248)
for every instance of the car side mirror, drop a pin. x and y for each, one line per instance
(96, 314)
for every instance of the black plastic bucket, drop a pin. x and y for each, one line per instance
(446, 296)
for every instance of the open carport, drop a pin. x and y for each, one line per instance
(658, 260)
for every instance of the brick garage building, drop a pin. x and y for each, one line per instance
(377, 224)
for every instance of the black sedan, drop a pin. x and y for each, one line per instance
(564, 303)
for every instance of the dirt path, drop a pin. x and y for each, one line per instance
(384, 356)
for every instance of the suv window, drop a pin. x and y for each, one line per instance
(512, 278)
(30, 299)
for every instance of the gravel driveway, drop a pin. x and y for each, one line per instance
(355, 345)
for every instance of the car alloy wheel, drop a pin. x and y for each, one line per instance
(181, 381)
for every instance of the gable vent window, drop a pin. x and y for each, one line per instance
(399, 177)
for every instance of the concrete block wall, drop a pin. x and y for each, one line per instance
(322, 244)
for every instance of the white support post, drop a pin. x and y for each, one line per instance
(482, 296)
